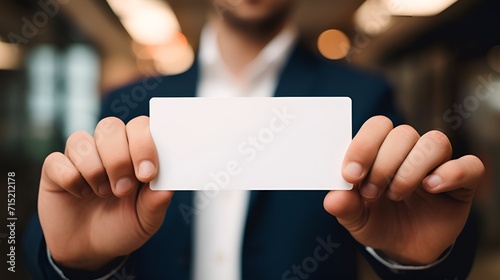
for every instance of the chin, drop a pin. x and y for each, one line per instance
(253, 10)
(257, 13)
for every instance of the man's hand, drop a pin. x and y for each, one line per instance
(409, 199)
(95, 203)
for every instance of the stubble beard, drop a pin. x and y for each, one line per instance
(259, 28)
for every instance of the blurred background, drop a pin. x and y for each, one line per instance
(58, 58)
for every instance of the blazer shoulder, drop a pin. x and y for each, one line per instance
(132, 100)
(370, 92)
(329, 75)
(351, 75)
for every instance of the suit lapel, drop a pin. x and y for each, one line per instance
(186, 84)
(297, 77)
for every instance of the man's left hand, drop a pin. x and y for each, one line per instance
(409, 201)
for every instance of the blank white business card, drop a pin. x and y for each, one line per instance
(284, 143)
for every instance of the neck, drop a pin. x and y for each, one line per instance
(239, 47)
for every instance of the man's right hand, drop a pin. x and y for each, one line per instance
(95, 203)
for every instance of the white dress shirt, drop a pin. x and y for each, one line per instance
(219, 226)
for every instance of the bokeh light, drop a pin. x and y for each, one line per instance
(9, 56)
(334, 44)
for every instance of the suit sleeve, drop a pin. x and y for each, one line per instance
(456, 265)
(39, 266)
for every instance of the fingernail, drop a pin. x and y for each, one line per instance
(369, 191)
(354, 170)
(86, 192)
(146, 169)
(104, 189)
(123, 186)
(434, 181)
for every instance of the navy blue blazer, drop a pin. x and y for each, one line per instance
(288, 234)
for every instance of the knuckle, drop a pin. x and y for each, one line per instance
(476, 162)
(110, 122)
(60, 170)
(382, 121)
(50, 159)
(460, 173)
(76, 138)
(439, 138)
(436, 141)
(138, 122)
(139, 119)
(79, 146)
(407, 131)
(107, 126)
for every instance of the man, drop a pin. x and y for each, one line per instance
(407, 213)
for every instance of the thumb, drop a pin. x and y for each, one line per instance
(151, 208)
(348, 207)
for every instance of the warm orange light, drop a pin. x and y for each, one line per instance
(418, 7)
(9, 56)
(148, 22)
(374, 17)
(175, 57)
(334, 44)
